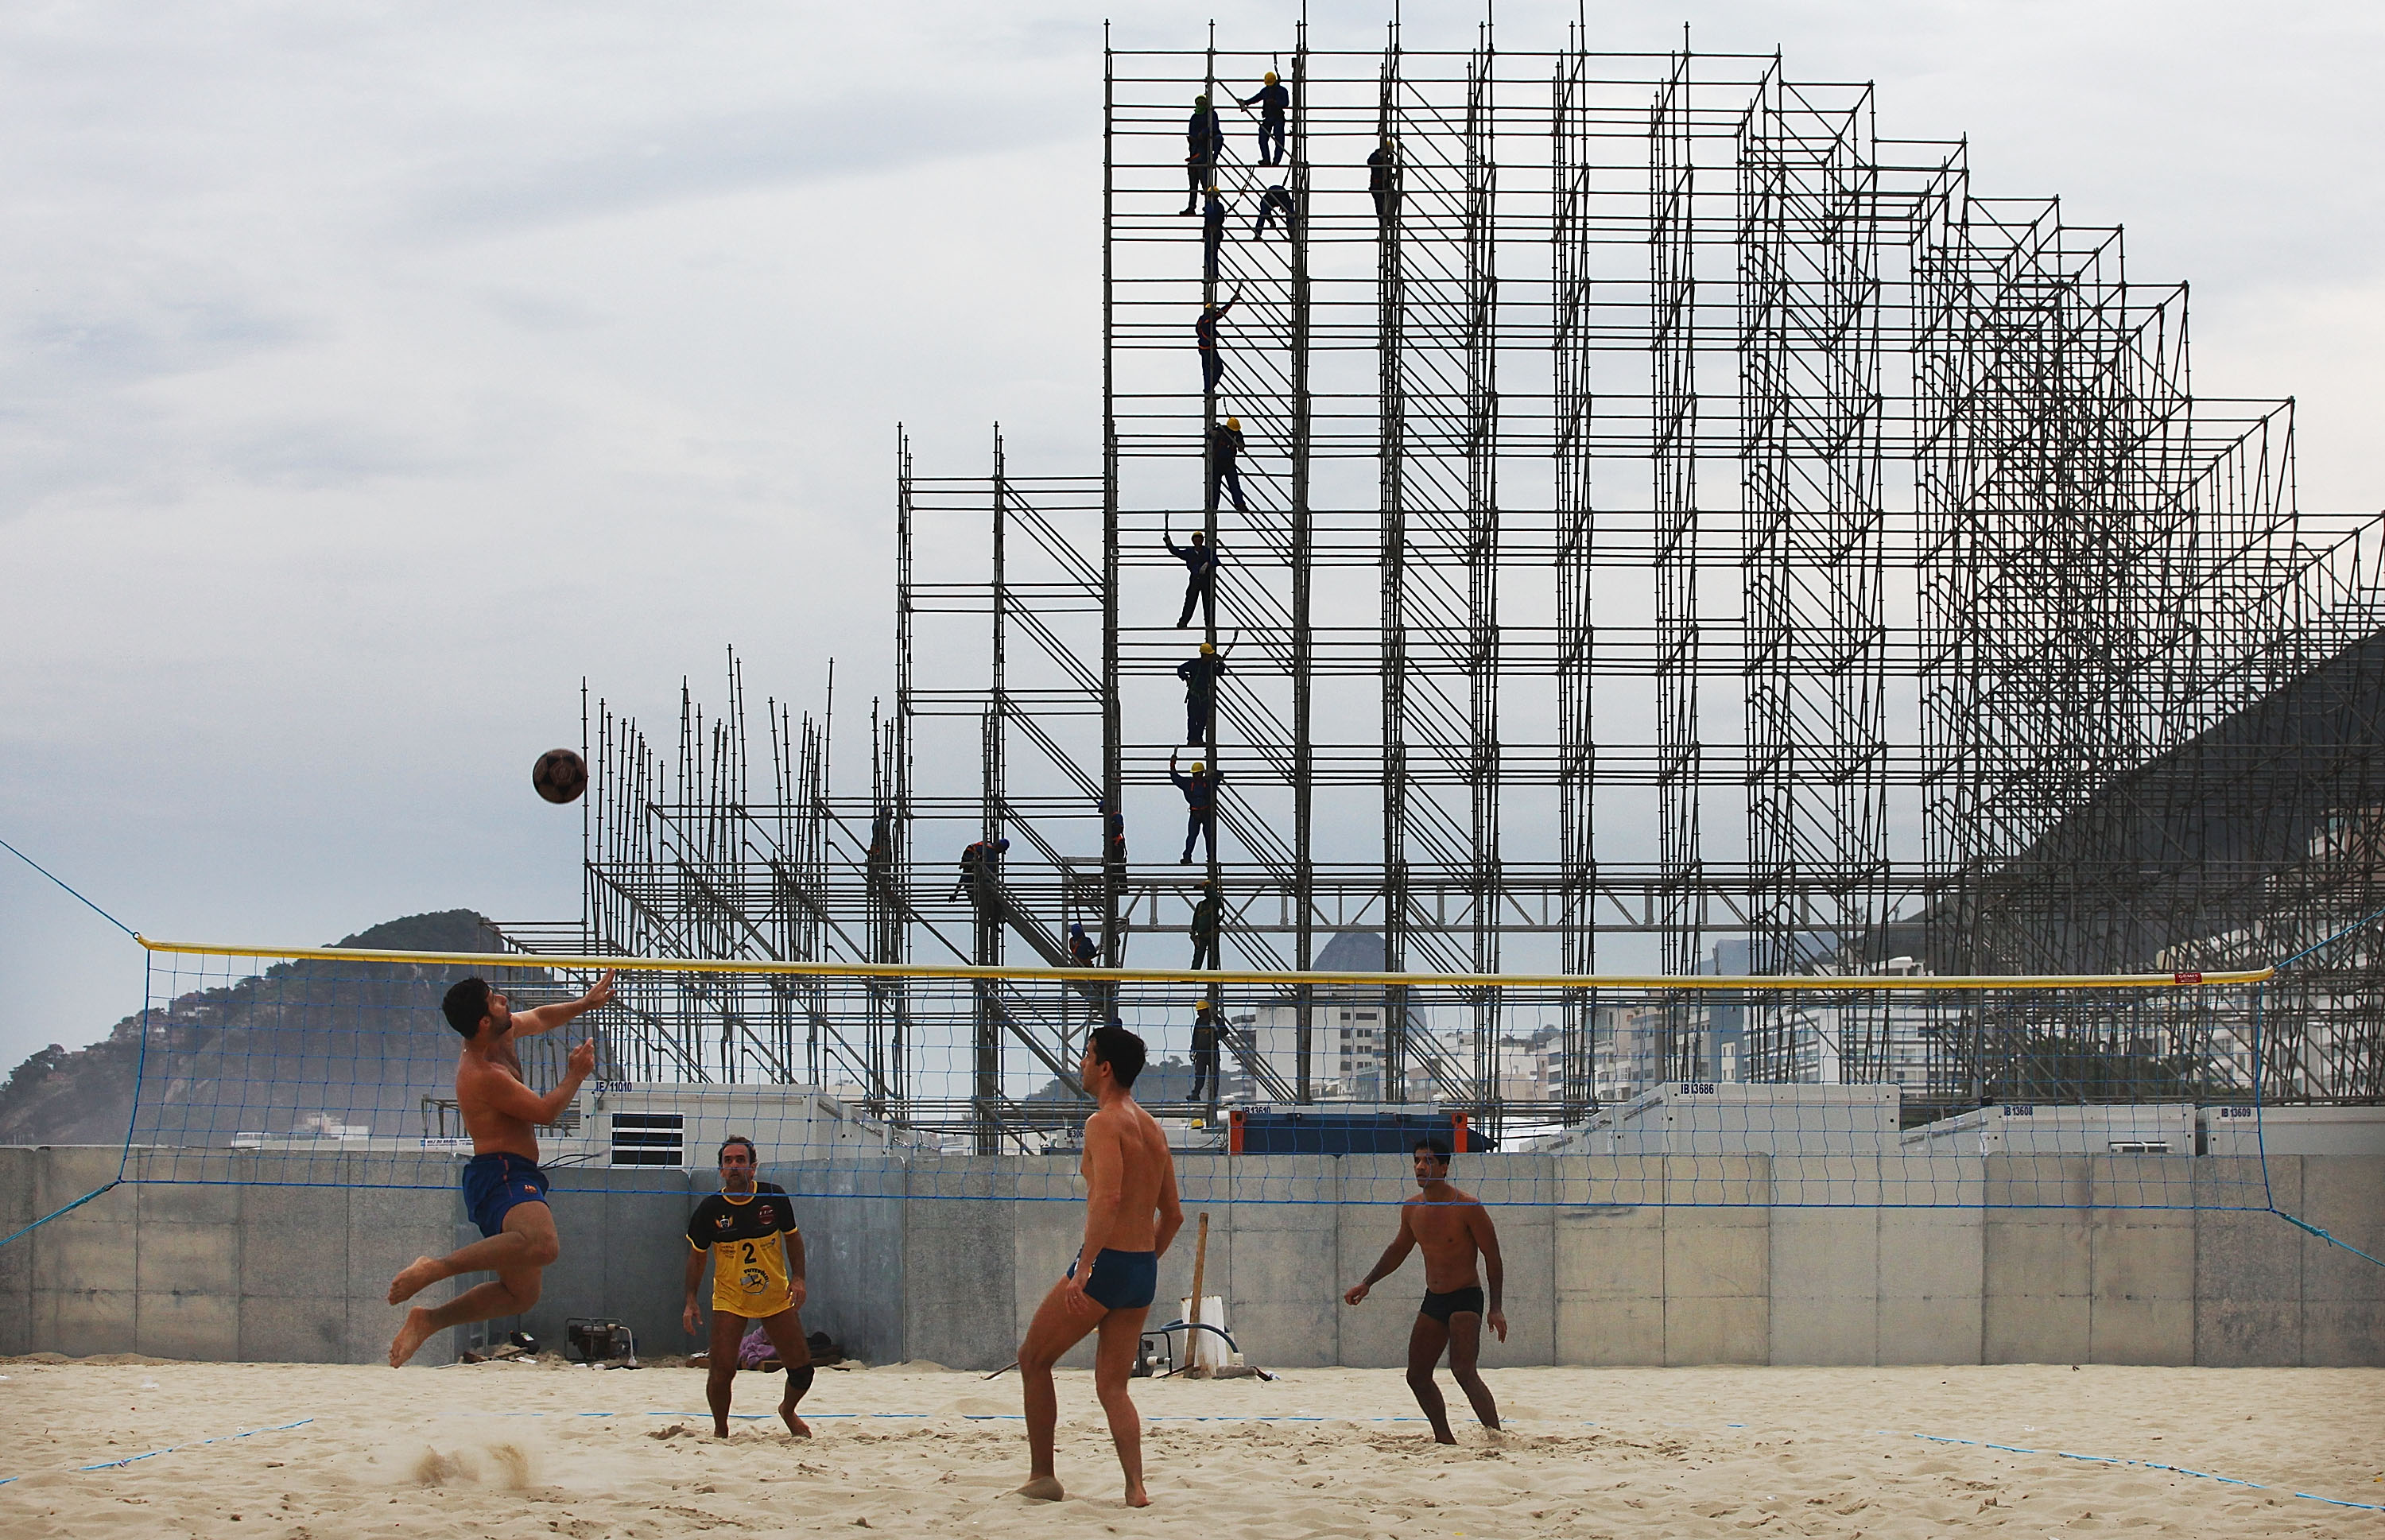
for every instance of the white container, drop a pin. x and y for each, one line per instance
(2046, 1128)
(1731, 1117)
(1209, 1351)
(2293, 1130)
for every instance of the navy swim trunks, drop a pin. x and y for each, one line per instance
(493, 1183)
(1120, 1280)
(1441, 1307)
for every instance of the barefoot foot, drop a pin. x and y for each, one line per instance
(417, 1276)
(418, 1330)
(1137, 1497)
(795, 1425)
(1042, 1489)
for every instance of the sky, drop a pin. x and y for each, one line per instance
(371, 375)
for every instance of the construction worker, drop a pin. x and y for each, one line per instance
(1200, 561)
(1204, 338)
(1383, 179)
(1082, 949)
(1213, 234)
(1225, 449)
(1112, 837)
(878, 860)
(1200, 674)
(1274, 199)
(1200, 789)
(1208, 919)
(979, 859)
(1207, 1030)
(1204, 138)
(1274, 103)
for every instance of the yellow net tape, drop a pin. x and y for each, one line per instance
(1812, 982)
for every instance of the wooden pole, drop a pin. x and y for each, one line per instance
(1200, 1266)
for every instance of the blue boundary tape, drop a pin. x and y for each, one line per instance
(2139, 1464)
(220, 1438)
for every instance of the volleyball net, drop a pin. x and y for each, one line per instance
(335, 1067)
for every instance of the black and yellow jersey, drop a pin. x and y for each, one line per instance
(749, 1261)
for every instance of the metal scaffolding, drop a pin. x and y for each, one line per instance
(1981, 644)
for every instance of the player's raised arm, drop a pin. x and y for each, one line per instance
(530, 1023)
(1388, 1263)
(500, 1091)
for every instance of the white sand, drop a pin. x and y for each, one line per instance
(498, 1449)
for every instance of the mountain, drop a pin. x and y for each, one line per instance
(344, 1043)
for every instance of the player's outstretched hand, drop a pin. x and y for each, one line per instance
(691, 1320)
(1498, 1319)
(1357, 1291)
(600, 995)
(582, 1062)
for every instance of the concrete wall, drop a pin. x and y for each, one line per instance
(1594, 1274)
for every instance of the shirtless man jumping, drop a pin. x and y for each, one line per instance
(1451, 1226)
(1130, 1215)
(502, 1183)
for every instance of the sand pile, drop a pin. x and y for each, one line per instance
(302, 1452)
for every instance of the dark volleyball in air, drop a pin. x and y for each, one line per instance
(560, 775)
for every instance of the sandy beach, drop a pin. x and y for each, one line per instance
(540, 1448)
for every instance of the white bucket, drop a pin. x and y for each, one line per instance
(1209, 1351)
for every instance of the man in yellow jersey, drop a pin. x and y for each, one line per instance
(748, 1230)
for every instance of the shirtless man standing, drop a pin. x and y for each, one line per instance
(1130, 1215)
(503, 1185)
(1451, 1226)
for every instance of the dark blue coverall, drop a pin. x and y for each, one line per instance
(1200, 561)
(1200, 673)
(1200, 810)
(1274, 102)
(1204, 138)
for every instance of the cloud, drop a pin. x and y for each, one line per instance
(783, 147)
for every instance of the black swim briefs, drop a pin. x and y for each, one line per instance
(1120, 1280)
(1441, 1307)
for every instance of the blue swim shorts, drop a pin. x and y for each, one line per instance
(493, 1183)
(1120, 1280)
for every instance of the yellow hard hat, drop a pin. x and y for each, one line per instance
(1204, 1004)
(1208, 647)
(1235, 424)
(1198, 767)
(1270, 77)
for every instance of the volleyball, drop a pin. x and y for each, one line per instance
(560, 775)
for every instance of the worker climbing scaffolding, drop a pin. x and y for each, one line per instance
(1200, 559)
(1200, 789)
(1082, 949)
(1383, 179)
(1213, 232)
(1205, 138)
(1274, 201)
(1225, 453)
(1207, 1029)
(1274, 103)
(1113, 838)
(979, 859)
(1200, 673)
(1204, 339)
(1209, 921)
